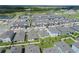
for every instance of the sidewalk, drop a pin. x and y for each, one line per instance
(68, 38)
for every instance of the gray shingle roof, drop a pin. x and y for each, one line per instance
(76, 28)
(65, 48)
(16, 49)
(54, 30)
(65, 30)
(77, 39)
(32, 34)
(20, 36)
(32, 49)
(7, 34)
(76, 44)
(51, 50)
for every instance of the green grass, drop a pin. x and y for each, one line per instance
(76, 15)
(48, 42)
(75, 34)
(69, 41)
(33, 41)
(5, 43)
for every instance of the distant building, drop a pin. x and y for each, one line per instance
(75, 47)
(21, 24)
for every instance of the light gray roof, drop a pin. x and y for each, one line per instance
(32, 34)
(16, 49)
(77, 39)
(76, 44)
(7, 34)
(42, 32)
(65, 48)
(20, 23)
(44, 19)
(51, 50)
(76, 28)
(53, 30)
(20, 36)
(32, 49)
(65, 29)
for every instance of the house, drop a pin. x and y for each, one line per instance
(65, 30)
(7, 36)
(75, 47)
(32, 34)
(77, 39)
(76, 28)
(64, 48)
(43, 32)
(20, 36)
(32, 49)
(16, 49)
(51, 50)
(54, 31)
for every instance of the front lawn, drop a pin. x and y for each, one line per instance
(75, 34)
(48, 42)
(5, 43)
(69, 41)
